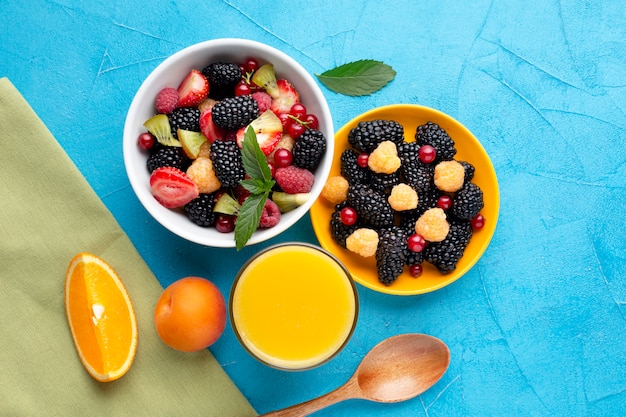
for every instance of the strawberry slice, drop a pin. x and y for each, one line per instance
(285, 97)
(193, 90)
(208, 128)
(172, 187)
(268, 129)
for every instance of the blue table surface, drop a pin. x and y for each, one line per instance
(538, 326)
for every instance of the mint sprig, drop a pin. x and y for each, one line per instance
(259, 184)
(358, 78)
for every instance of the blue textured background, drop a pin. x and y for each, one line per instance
(537, 327)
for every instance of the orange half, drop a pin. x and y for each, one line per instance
(101, 317)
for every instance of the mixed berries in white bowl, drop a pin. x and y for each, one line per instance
(228, 142)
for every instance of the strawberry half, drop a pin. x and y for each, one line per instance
(171, 187)
(193, 90)
(208, 128)
(268, 129)
(286, 97)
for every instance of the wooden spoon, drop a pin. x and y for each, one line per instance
(397, 369)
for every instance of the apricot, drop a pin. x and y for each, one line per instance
(190, 314)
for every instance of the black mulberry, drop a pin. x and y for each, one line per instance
(233, 113)
(468, 201)
(445, 255)
(351, 170)
(308, 150)
(338, 230)
(391, 254)
(432, 134)
(227, 162)
(223, 77)
(200, 210)
(372, 207)
(415, 173)
(186, 118)
(166, 156)
(366, 136)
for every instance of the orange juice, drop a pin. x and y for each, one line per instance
(293, 306)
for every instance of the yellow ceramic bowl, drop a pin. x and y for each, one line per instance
(469, 149)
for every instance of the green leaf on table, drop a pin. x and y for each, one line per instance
(259, 184)
(358, 78)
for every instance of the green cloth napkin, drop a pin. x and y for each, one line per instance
(48, 213)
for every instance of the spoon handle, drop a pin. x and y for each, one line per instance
(347, 391)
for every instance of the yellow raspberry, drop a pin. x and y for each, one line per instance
(449, 176)
(363, 242)
(205, 150)
(403, 197)
(336, 189)
(201, 172)
(432, 225)
(384, 159)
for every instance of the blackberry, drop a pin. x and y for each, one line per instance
(166, 156)
(366, 136)
(383, 183)
(414, 172)
(468, 201)
(200, 210)
(338, 230)
(223, 77)
(469, 170)
(227, 162)
(186, 118)
(351, 171)
(308, 150)
(371, 206)
(233, 113)
(444, 255)
(432, 134)
(391, 254)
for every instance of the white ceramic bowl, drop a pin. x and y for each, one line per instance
(170, 73)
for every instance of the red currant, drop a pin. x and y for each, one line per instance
(348, 216)
(416, 242)
(444, 202)
(416, 270)
(285, 120)
(295, 129)
(478, 222)
(225, 223)
(427, 154)
(362, 160)
(251, 65)
(298, 111)
(145, 141)
(311, 121)
(243, 89)
(283, 157)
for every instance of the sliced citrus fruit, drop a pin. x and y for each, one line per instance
(100, 316)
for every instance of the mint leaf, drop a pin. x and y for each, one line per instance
(259, 185)
(248, 218)
(358, 78)
(254, 161)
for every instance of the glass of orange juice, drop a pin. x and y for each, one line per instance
(293, 306)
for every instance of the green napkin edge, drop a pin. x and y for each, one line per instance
(50, 213)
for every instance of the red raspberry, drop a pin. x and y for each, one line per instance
(270, 216)
(166, 100)
(263, 100)
(294, 180)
